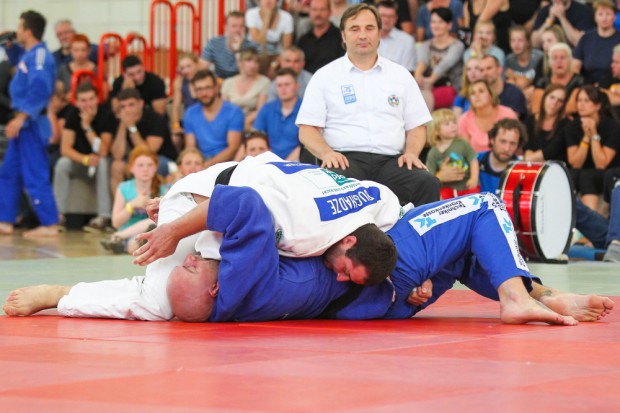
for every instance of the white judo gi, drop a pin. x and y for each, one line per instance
(312, 209)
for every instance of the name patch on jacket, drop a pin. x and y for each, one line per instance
(339, 205)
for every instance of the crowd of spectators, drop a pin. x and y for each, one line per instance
(554, 65)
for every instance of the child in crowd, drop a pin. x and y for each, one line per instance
(447, 149)
(190, 160)
(255, 143)
(129, 213)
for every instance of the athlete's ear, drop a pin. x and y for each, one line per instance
(215, 288)
(349, 241)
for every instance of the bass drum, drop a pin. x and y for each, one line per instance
(540, 199)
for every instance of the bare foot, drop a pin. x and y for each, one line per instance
(29, 300)
(581, 307)
(6, 228)
(47, 232)
(530, 310)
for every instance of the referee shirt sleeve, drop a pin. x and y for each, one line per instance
(313, 110)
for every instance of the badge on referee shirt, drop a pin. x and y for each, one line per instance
(348, 94)
(393, 100)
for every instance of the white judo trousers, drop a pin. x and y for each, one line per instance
(302, 230)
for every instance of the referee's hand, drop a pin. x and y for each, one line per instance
(335, 159)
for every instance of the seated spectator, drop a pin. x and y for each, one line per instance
(592, 141)
(573, 17)
(545, 130)
(214, 126)
(64, 33)
(58, 109)
(551, 36)
(323, 43)
(219, 52)
(79, 61)
(271, 28)
(423, 21)
(292, 58)
(521, 64)
(592, 56)
(151, 87)
(611, 84)
(509, 95)
(129, 212)
(395, 44)
(190, 160)
(83, 156)
(472, 72)
(247, 90)
(439, 67)
(495, 11)
(255, 142)
(485, 111)
(139, 126)
(560, 74)
(449, 150)
(277, 118)
(337, 9)
(182, 95)
(483, 43)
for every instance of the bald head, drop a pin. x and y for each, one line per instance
(192, 293)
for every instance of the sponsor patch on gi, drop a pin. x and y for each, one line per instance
(445, 212)
(393, 100)
(290, 168)
(348, 94)
(336, 206)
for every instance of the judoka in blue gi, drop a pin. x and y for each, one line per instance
(26, 163)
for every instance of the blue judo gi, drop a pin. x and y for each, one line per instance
(256, 284)
(26, 162)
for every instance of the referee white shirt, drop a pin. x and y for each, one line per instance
(363, 111)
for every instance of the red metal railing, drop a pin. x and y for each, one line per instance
(136, 44)
(112, 51)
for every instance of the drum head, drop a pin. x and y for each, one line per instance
(553, 211)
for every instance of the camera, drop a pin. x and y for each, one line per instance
(7, 37)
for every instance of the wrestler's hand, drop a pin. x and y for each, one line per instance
(161, 243)
(421, 294)
(152, 208)
(335, 159)
(411, 160)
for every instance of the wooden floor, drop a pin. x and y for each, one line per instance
(454, 357)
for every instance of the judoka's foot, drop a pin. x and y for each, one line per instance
(29, 300)
(581, 307)
(6, 228)
(47, 232)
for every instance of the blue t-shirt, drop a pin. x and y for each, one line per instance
(211, 137)
(595, 52)
(282, 132)
(488, 178)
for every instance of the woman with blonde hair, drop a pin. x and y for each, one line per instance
(182, 93)
(472, 72)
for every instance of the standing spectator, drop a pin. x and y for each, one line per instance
(214, 126)
(592, 140)
(292, 58)
(593, 53)
(440, 68)
(485, 111)
(483, 43)
(521, 64)
(26, 163)
(323, 43)
(277, 118)
(219, 52)
(86, 123)
(247, 90)
(545, 130)
(271, 28)
(151, 87)
(611, 84)
(182, 94)
(495, 11)
(423, 22)
(64, 33)
(574, 18)
(509, 95)
(363, 116)
(79, 61)
(560, 73)
(395, 44)
(472, 72)
(139, 126)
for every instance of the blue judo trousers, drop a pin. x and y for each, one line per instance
(26, 162)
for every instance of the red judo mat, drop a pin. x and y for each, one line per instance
(455, 357)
